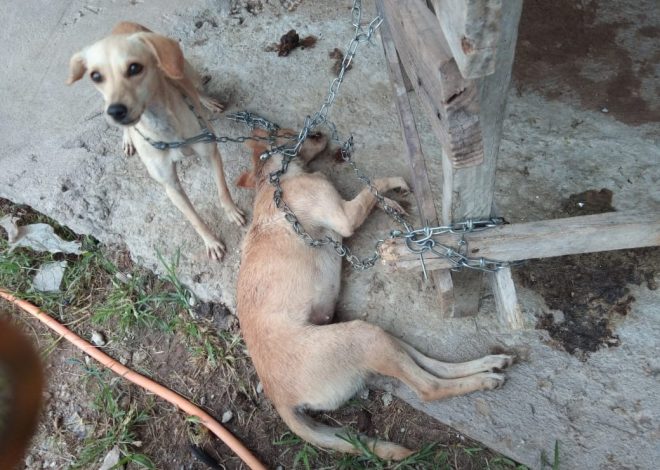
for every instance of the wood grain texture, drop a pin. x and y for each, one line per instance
(472, 29)
(506, 299)
(449, 101)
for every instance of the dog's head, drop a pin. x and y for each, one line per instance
(311, 148)
(127, 67)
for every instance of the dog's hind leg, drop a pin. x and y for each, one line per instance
(448, 370)
(386, 356)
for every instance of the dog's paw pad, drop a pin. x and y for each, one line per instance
(215, 250)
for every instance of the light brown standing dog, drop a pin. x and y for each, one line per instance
(287, 293)
(145, 81)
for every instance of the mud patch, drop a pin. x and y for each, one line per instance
(589, 292)
(564, 53)
(588, 203)
(291, 41)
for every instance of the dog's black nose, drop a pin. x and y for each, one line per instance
(118, 111)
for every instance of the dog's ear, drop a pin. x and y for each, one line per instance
(77, 68)
(167, 52)
(126, 27)
(246, 180)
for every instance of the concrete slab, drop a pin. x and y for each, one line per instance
(60, 157)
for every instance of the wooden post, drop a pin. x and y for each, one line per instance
(468, 192)
(420, 182)
(472, 29)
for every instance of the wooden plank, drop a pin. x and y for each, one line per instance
(472, 29)
(506, 300)
(449, 101)
(420, 183)
(544, 239)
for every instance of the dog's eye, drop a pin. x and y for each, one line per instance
(134, 69)
(96, 77)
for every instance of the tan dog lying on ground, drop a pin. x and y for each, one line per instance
(286, 296)
(143, 78)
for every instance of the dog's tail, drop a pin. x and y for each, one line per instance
(329, 437)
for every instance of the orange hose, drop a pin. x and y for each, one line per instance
(207, 420)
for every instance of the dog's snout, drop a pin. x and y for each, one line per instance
(118, 111)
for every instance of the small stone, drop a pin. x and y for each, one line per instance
(227, 416)
(605, 110)
(260, 388)
(138, 357)
(123, 277)
(98, 339)
(111, 459)
(387, 398)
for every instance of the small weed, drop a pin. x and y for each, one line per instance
(305, 456)
(555, 458)
(115, 425)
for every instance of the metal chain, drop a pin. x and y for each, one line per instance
(289, 152)
(421, 241)
(418, 241)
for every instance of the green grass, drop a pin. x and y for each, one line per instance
(116, 425)
(431, 456)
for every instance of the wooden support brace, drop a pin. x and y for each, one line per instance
(472, 29)
(559, 237)
(506, 300)
(420, 182)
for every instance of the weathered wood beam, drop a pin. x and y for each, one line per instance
(506, 299)
(469, 192)
(420, 182)
(544, 239)
(449, 101)
(472, 29)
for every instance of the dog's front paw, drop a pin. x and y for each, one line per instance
(235, 214)
(212, 104)
(395, 205)
(215, 249)
(127, 146)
